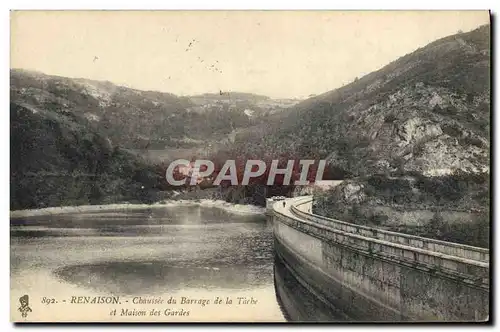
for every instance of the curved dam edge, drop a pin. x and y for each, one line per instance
(358, 277)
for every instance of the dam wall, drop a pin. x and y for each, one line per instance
(361, 273)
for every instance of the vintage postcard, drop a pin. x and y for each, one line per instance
(250, 166)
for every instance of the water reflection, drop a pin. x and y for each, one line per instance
(297, 302)
(153, 277)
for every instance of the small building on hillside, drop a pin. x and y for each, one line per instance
(322, 185)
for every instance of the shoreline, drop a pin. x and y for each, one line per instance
(229, 207)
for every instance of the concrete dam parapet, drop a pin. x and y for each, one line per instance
(360, 273)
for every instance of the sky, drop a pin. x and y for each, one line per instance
(281, 54)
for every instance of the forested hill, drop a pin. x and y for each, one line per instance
(427, 112)
(56, 159)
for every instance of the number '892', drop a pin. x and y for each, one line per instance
(48, 301)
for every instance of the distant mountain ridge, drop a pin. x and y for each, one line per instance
(127, 116)
(138, 119)
(231, 95)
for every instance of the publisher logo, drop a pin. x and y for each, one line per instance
(24, 308)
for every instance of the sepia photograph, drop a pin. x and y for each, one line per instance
(272, 166)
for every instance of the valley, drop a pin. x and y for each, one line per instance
(412, 136)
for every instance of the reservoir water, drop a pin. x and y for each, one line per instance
(192, 254)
